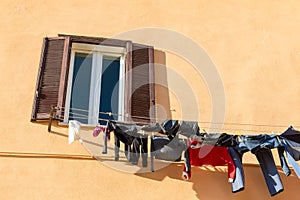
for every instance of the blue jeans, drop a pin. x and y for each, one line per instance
(260, 146)
(293, 154)
(238, 183)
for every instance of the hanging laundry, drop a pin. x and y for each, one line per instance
(188, 128)
(106, 136)
(291, 134)
(260, 146)
(135, 143)
(220, 139)
(224, 140)
(168, 149)
(98, 130)
(153, 127)
(238, 183)
(207, 155)
(216, 149)
(170, 127)
(139, 147)
(290, 139)
(74, 129)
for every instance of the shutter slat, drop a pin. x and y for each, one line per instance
(48, 78)
(141, 99)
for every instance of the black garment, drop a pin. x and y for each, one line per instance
(155, 127)
(291, 141)
(169, 150)
(167, 147)
(136, 143)
(170, 128)
(220, 139)
(128, 134)
(291, 134)
(125, 132)
(188, 128)
(167, 127)
(139, 147)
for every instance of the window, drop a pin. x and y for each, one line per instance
(86, 76)
(95, 83)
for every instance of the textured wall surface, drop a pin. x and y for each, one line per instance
(254, 45)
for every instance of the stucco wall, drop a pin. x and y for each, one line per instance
(254, 45)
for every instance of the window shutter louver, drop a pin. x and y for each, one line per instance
(142, 99)
(51, 77)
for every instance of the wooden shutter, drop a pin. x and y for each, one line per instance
(51, 81)
(142, 98)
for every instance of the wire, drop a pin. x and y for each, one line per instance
(85, 117)
(81, 116)
(77, 115)
(105, 113)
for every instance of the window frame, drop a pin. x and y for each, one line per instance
(97, 51)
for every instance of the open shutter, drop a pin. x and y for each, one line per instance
(51, 81)
(142, 98)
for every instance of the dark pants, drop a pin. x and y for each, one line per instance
(139, 147)
(260, 146)
(132, 152)
(268, 167)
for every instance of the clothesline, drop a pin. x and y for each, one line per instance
(202, 127)
(203, 122)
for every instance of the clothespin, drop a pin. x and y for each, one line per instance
(239, 132)
(203, 134)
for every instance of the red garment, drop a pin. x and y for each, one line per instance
(210, 155)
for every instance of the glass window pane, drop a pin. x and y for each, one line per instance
(109, 100)
(79, 104)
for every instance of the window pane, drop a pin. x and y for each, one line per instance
(79, 104)
(109, 87)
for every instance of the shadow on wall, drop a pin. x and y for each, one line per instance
(211, 183)
(162, 96)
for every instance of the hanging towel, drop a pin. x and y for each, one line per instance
(74, 129)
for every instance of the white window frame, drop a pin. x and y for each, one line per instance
(98, 52)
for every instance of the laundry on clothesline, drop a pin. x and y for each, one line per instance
(74, 129)
(172, 139)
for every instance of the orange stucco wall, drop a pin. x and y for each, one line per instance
(254, 45)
